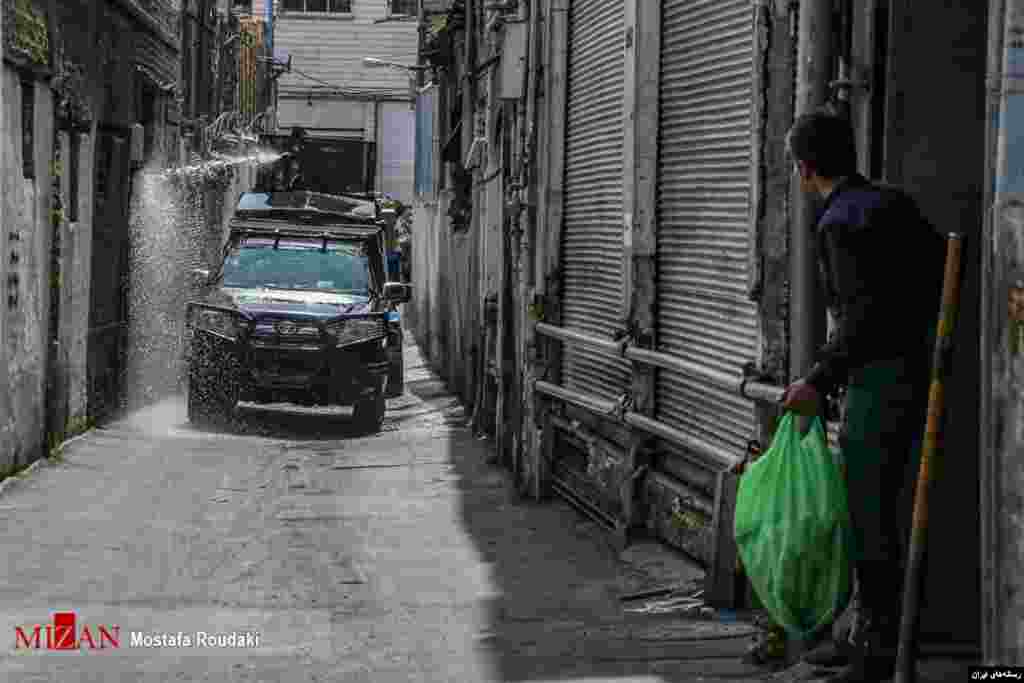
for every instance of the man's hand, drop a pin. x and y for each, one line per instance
(802, 399)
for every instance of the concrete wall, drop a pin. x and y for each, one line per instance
(76, 268)
(442, 314)
(325, 117)
(1002, 538)
(24, 270)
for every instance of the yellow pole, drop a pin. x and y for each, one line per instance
(906, 671)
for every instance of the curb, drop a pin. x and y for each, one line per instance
(40, 462)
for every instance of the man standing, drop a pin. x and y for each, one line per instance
(881, 267)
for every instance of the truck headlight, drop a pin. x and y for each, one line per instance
(221, 323)
(353, 331)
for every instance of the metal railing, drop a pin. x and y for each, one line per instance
(619, 411)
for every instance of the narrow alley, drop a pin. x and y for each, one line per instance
(397, 557)
(434, 340)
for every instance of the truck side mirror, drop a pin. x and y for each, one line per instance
(397, 292)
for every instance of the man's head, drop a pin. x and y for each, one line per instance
(823, 149)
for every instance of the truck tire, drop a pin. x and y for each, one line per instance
(368, 414)
(396, 378)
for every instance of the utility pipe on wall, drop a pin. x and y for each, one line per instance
(807, 317)
(989, 470)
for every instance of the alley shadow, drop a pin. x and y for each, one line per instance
(557, 614)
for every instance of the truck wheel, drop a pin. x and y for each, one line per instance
(396, 378)
(368, 414)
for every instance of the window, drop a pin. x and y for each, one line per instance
(325, 6)
(338, 267)
(75, 144)
(28, 124)
(410, 7)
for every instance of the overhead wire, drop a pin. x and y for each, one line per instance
(358, 92)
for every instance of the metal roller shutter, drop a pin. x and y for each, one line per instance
(704, 312)
(592, 233)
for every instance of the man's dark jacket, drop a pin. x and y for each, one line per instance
(881, 265)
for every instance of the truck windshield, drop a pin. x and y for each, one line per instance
(301, 264)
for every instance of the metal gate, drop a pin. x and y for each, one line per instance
(108, 295)
(592, 234)
(705, 314)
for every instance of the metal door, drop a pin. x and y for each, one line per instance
(108, 295)
(705, 315)
(397, 121)
(592, 234)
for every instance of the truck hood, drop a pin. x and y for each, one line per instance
(310, 305)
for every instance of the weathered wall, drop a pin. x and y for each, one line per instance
(442, 318)
(1003, 503)
(24, 270)
(75, 267)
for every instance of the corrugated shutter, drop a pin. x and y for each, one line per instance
(704, 312)
(592, 233)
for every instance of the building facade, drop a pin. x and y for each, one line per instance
(96, 97)
(88, 94)
(331, 93)
(613, 267)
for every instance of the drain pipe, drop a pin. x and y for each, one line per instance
(990, 473)
(807, 314)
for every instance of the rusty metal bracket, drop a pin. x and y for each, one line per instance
(848, 84)
(624, 404)
(752, 373)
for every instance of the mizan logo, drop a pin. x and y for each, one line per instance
(65, 634)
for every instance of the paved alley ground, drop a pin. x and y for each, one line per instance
(397, 557)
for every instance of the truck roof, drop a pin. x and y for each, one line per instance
(301, 209)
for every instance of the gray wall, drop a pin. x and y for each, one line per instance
(24, 270)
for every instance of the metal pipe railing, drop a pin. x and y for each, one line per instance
(719, 457)
(582, 338)
(685, 367)
(749, 389)
(576, 398)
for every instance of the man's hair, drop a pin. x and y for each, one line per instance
(826, 142)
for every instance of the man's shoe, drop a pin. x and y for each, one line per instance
(769, 648)
(830, 653)
(871, 657)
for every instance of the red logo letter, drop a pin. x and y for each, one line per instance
(64, 631)
(114, 640)
(21, 640)
(86, 638)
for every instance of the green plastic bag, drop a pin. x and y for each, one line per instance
(792, 528)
